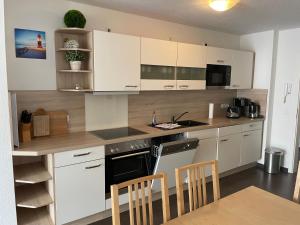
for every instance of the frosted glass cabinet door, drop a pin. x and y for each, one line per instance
(158, 52)
(116, 62)
(79, 191)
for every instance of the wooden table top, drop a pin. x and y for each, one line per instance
(251, 206)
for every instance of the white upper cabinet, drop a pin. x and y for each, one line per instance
(242, 70)
(116, 62)
(158, 52)
(190, 55)
(191, 64)
(219, 56)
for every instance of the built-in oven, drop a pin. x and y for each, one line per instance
(218, 76)
(126, 161)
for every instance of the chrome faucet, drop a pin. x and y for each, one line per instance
(173, 120)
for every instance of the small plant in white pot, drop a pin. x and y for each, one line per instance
(74, 58)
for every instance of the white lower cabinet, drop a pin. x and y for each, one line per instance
(229, 152)
(79, 190)
(251, 146)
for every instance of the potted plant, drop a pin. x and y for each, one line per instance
(74, 18)
(74, 58)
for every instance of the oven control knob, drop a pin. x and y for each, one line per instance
(131, 147)
(112, 150)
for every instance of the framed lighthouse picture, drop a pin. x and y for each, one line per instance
(30, 44)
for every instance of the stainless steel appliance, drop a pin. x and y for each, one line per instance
(218, 76)
(233, 112)
(127, 160)
(252, 110)
(241, 103)
(170, 152)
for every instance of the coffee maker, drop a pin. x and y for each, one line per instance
(247, 107)
(241, 103)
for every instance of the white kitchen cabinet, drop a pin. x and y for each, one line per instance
(190, 55)
(251, 146)
(229, 152)
(79, 190)
(158, 52)
(219, 56)
(116, 62)
(241, 70)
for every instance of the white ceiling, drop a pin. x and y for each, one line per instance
(247, 17)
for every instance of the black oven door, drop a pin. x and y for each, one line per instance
(218, 76)
(126, 166)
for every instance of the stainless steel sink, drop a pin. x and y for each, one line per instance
(190, 123)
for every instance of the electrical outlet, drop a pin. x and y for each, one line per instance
(224, 106)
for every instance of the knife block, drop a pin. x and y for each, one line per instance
(25, 132)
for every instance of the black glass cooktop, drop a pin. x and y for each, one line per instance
(116, 133)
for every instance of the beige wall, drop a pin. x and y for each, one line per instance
(47, 15)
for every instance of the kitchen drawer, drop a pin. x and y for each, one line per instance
(78, 156)
(223, 131)
(252, 126)
(203, 134)
(157, 85)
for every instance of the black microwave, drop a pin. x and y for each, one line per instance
(218, 76)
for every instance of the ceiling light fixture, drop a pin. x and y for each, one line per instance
(222, 5)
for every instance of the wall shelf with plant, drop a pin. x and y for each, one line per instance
(74, 54)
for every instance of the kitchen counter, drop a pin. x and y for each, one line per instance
(72, 141)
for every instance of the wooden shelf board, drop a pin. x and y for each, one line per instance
(34, 216)
(32, 196)
(74, 90)
(74, 49)
(75, 71)
(31, 173)
(73, 31)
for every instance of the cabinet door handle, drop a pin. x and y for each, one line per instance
(169, 86)
(235, 85)
(82, 154)
(183, 86)
(252, 125)
(220, 61)
(246, 135)
(92, 167)
(224, 140)
(131, 86)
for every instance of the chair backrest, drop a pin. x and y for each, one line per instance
(296, 196)
(138, 189)
(196, 185)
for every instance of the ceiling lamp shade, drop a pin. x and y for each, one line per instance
(222, 5)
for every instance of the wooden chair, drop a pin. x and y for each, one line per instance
(296, 196)
(135, 188)
(196, 185)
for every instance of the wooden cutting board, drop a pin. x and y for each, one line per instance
(59, 122)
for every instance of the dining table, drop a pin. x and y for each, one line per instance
(250, 206)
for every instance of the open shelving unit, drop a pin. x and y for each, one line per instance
(68, 79)
(34, 190)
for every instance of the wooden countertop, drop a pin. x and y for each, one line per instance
(72, 141)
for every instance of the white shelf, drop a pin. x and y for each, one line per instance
(32, 196)
(75, 90)
(75, 71)
(74, 49)
(31, 173)
(34, 216)
(73, 31)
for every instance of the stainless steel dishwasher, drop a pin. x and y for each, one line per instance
(170, 152)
